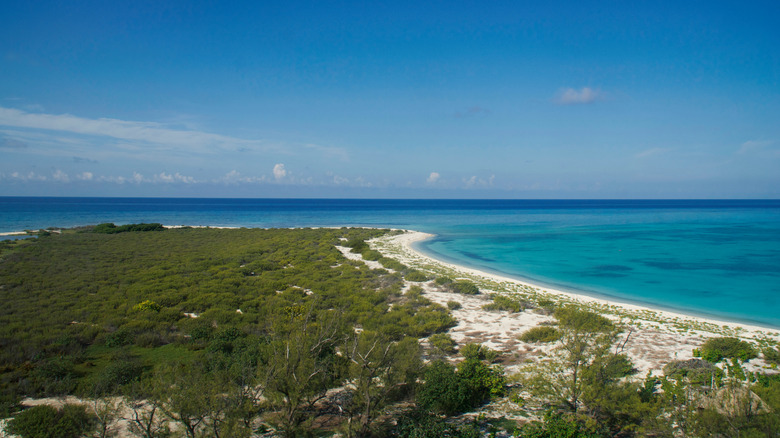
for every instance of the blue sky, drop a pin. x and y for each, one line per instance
(407, 99)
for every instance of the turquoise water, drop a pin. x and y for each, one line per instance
(718, 258)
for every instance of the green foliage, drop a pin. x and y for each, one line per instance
(478, 352)
(109, 228)
(393, 264)
(696, 371)
(454, 305)
(443, 343)
(371, 254)
(44, 421)
(771, 355)
(563, 425)
(463, 287)
(542, 333)
(422, 424)
(357, 244)
(574, 319)
(416, 276)
(449, 391)
(503, 302)
(147, 305)
(443, 281)
(715, 349)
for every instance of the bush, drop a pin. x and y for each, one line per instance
(422, 424)
(416, 276)
(453, 305)
(391, 264)
(443, 281)
(119, 338)
(43, 421)
(371, 255)
(715, 349)
(542, 334)
(147, 305)
(450, 391)
(464, 287)
(478, 352)
(697, 371)
(109, 228)
(501, 302)
(443, 342)
(772, 355)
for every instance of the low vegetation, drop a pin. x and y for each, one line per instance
(239, 333)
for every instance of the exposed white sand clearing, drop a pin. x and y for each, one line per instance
(655, 337)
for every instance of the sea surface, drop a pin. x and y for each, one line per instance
(713, 258)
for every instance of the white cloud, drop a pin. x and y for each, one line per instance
(279, 171)
(235, 177)
(651, 152)
(85, 176)
(474, 181)
(60, 176)
(168, 178)
(570, 96)
(146, 132)
(753, 146)
(433, 177)
(31, 176)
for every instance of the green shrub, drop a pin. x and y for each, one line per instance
(120, 337)
(542, 334)
(423, 424)
(450, 391)
(464, 287)
(443, 342)
(371, 255)
(453, 305)
(416, 276)
(772, 355)
(715, 349)
(478, 352)
(44, 421)
(696, 371)
(502, 302)
(109, 228)
(443, 281)
(147, 305)
(392, 264)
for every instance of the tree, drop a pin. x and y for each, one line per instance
(379, 370)
(585, 339)
(300, 364)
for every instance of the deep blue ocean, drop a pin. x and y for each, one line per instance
(718, 258)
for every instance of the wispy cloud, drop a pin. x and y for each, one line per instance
(10, 143)
(473, 111)
(752, 146)
(571, 96)
(651, 152)
(475, 181)
(433, 177)
(146, 132)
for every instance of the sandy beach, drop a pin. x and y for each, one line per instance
(652, 337)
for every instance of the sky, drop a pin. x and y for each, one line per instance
(450, 99)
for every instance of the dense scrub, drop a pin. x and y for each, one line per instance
(95, 313)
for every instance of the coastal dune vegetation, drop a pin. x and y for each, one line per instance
(202, 332)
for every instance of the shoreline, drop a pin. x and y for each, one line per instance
(402, 246)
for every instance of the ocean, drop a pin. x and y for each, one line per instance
(718, 258)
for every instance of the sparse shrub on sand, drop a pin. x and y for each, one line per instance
(542, 334)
